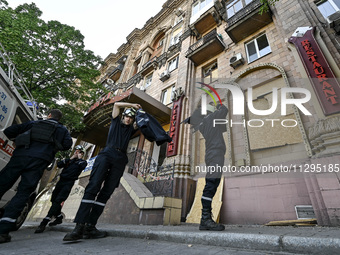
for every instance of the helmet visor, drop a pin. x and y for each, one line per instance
(130, 112)
(80, 148)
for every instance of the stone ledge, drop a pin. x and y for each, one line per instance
(144, 199)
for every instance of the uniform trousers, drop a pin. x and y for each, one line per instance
(212, 178)
(30, 170)
(107, 170)
(59, 195)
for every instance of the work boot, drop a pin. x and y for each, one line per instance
(5, 238)
(58, 220)
(42, 226)
(207, 222)
(76, 234)
(91, 232)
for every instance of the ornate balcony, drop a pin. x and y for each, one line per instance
(115, 74)
(247, 21)
(205, 20)
(134, 79)
(149, 66)
(208, 47)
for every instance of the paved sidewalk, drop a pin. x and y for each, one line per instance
(304, 240)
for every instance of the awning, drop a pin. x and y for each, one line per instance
(98, 118)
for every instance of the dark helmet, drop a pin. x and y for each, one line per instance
(81, 148)
(130, 112)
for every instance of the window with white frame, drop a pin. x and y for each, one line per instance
(173, 64)
(167, 95)
(257, 48)
(210, 73)
(148, 80)
(199, 5)
(161, 42)
(175, 36)
(235, 6)
(328, 7)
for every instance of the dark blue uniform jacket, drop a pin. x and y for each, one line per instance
(72, 168)
(151, 128)
(37, 149)
(214, 141)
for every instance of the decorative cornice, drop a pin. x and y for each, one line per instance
(134, 79)
(325, 137)
(325, 126)
(187, 33)
(174, 49)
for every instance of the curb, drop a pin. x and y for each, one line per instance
(311, 245)
(260, 242)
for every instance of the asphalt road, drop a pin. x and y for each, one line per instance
(25, 242)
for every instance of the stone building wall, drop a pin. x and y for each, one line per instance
(252, 198)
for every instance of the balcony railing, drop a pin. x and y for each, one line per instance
(115, 74)
(254, 5)
(247, 21)
(147, 64)
(209, 46)
(206, 39)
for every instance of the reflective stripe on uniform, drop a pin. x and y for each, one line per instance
(99, 203)
(8, 219)
(87, 201)
(92, 202)
(207, 198)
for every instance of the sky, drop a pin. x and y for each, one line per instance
(104, 23)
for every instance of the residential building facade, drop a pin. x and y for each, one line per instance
(277, 74)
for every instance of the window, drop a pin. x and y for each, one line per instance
(20, 117)
(173, 64)
(199, 5)
(157, 45)
(210, 73)
(167, 95)
(328, 7)
(257, 48)
(175, 36)
(136, 66)
(161, 42)
(148, 80)
(235, 6)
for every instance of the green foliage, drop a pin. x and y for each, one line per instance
(51, 57)
(62, 154)
(266, 4)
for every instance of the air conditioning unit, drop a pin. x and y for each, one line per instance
(334, 21)
(142, 88)
(236, 60)
(164, 76)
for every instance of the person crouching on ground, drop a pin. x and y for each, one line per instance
(108, 168)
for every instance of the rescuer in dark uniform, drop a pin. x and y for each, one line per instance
(214, 155)
(36, 145)
(72, 169)
(108, 168)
